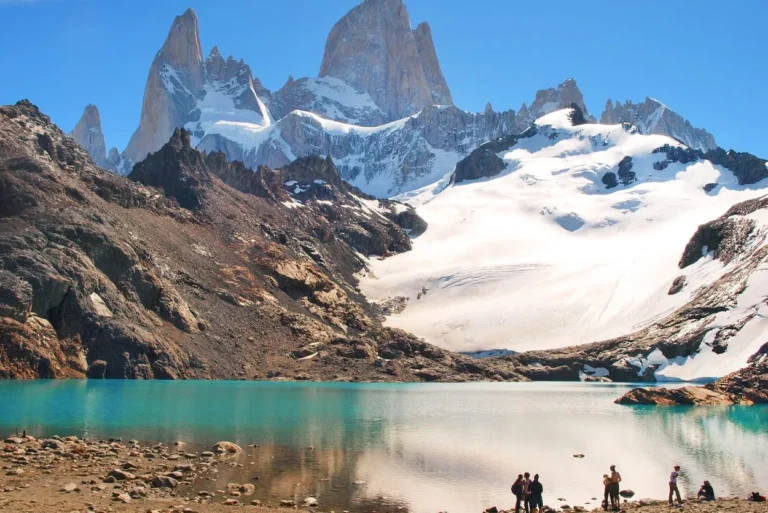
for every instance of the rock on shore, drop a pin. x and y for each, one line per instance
(672, 396)
(746, 386)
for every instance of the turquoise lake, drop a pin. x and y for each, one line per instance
(422, 447)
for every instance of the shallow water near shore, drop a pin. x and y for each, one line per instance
(423, 447)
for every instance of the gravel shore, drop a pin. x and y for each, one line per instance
(68, 475)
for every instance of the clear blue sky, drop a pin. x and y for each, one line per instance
(705, 59)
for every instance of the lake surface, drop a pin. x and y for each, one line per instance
(422, 447)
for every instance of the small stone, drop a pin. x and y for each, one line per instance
(310, 502)
(122, 497)
(121, 475)
(231, 502)
(70, 487)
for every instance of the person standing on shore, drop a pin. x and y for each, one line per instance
(536, 498)
(673, 485)
(614, 488)
(517, 491)
(527, 491)
(606, 491)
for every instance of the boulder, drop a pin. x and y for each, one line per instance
(226, 449)
(677, 285)
(609, 180)
(164, 482)
(674, 396)
(121, 475)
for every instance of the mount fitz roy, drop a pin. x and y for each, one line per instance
(380, 107)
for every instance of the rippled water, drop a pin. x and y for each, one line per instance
(425, 447)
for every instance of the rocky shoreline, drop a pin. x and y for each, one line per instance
(70, 474)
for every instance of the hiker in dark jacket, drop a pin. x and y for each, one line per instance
(535, 495)
(706, 492)
(517, 491)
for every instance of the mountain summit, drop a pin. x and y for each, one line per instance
(373, 49)
(89, 135)
(653, 117)
(181, 87)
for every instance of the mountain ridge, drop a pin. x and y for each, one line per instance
(229, 110)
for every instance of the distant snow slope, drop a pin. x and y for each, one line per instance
(544, 255)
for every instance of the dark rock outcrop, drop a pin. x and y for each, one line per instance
(178, 169)
(481, 163)
(725, 236)
(747, 168)
(577, 115)
(484, 161)
(626, 175)
(609, 180)
(677, 285)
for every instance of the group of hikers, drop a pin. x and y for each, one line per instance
(529, 492)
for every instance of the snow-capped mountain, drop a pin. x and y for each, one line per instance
(381, 107)
(387, 137)
(653, 117)
(568, 233)
(183, 89)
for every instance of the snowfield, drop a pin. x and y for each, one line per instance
(544, 255)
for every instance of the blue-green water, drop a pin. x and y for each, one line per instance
(428, 447)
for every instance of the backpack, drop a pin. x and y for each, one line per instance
(516, 488)
(756, 497)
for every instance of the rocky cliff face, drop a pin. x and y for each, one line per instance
(653, 117)
(200, 268)
(373, 49)
(183, 89)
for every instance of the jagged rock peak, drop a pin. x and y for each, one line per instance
(178, 169)
(179, 84)
(373, 49)
(182, 50)
(653, 117)
(312, 167)
(441, 95)
(552, 99)
(89, 135)
(180, 139)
